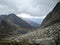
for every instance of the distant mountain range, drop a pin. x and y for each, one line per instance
(37, 20)
(33, 23)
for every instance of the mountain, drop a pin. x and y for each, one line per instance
(34, 24)
(53, 17)
(47, 34)
(13, 19)
(11, 25)
(37, 20)
(18, 21)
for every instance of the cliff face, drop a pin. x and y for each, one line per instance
(53, 17)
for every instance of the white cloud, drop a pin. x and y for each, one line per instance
(5, 9)
(33, 7)
(24, 15)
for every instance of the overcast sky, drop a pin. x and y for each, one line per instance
(33, 7)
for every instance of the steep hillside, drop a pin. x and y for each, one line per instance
(18, 21)
(6, 30)
(11, 25)
(46, 36)
(53, 17)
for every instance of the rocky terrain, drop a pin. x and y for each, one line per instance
(47, 34)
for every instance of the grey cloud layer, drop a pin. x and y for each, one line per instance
(33, 7)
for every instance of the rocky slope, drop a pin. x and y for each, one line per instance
(53, 17)
(46, 36)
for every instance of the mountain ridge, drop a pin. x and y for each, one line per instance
(11, 25)
(52, 17)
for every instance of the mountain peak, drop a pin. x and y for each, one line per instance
(58, 3)
(12, 14)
